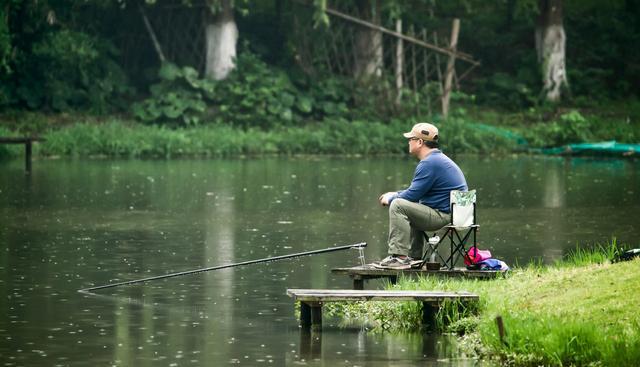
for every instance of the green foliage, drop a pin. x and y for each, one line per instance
(568, 127)
(117, 138)
(254, 95)
(69, 70)
(259, 96)
(178, 98)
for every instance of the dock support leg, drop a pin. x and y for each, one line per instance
(305, 315)
(429, 315)
(358, 284)
(27, 155)
(311, 314)
(393, 279)
(316, 315)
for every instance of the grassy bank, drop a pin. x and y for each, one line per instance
(129, 139)
(581, 311)
(468, 130)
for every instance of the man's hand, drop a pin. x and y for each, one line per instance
(386, 197)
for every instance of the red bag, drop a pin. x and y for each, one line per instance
(475, 255)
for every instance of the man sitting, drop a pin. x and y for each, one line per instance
(424, 205)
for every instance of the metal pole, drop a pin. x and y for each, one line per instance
(188, 272)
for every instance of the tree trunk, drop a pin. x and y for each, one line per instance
(550, 46)
(368, 42)
(221, 37)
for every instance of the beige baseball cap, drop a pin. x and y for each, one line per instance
(424, 131)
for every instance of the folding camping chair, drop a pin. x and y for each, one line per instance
(461, 232)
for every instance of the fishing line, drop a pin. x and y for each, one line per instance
(249, 262)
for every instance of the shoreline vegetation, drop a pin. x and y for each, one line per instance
(468, 130)
(580, 311)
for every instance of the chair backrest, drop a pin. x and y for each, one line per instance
(463, 205)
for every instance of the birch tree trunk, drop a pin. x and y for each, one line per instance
(221, 38)
(368, 42)
(550, 46)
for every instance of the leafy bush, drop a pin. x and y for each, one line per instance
(570, 127)
(177, 98)
(254, 95)
(69, 70)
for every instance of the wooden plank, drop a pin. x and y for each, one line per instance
(27, 141)
(369, 271)
(329, 295)
(312, 300)
(458, 54)
(19, 140)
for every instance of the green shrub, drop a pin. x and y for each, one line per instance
(570, 127)
(69, 70)
(254, 95)
(178, 98)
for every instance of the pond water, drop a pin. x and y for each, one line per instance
(77, 223)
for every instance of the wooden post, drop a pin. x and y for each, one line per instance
(399, 61)
(316, 315)
(425, 67)
(305, 315)
(460, 55)
(152, 34)
(358, 283)
(455, 29)
(500, 328)
(27, 155)
(438, 64)
(428, 316)
(414, 77)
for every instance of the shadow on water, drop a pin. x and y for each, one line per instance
(73, 224)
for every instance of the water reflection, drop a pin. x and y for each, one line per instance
(75, 224)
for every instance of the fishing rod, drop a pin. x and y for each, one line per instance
(188, 272)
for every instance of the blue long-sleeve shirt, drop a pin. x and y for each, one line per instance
(434, 179)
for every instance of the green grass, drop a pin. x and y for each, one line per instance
(580, 311)
(470, 129)
(118, 138)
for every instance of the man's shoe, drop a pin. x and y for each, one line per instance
(394, 262)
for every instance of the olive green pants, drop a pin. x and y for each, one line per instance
(407, 221)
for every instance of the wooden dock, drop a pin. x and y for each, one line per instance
(361, 273)
(311, 301)
(27, 141)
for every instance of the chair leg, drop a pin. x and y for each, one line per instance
(458, 248)
(431, 251)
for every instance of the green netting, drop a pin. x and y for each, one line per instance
(600, 148)
(519, 139)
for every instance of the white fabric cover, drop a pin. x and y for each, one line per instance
(462, 202)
